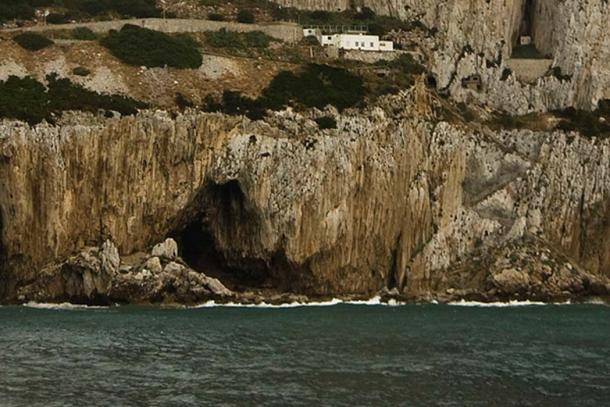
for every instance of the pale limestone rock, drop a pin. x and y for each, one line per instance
(174, 269)
(399, 193)
(215, 286)
(167, 250)
(511, 280)
(154, 265)
(109, 256)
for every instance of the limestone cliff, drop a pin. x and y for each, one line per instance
(469, 37)
(393, 199)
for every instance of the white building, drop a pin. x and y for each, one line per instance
(356, 41)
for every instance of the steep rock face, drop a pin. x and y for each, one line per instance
(478, 37)
(391, 199)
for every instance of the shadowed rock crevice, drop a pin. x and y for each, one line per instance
(218, 236)
(198, 249)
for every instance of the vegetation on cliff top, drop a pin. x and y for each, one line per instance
(78, 9)
(143, 47)
(32, 41)
(29, 100)
(314, 86)
(241, 41)
(588, 123)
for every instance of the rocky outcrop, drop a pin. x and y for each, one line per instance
(97, 275)
(394, 199)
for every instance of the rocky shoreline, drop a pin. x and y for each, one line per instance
(99, 276)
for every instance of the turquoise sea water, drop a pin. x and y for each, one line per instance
(348, 355)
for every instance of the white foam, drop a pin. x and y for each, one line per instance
(464, 303)
(61, 306)
(330, 303)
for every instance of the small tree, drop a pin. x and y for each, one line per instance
(246, 17)
(216, 17)
(326, 122)
(83, 34)
(32, 41)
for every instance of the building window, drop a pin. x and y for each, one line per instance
(372, 45)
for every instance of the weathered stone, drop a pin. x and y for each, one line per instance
(404, 194)
(109, 256)
(154, 265)
(167, 250)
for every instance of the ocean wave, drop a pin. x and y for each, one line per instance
(329, 303)
(464, 303)
(62, 306)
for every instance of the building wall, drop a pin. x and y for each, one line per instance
(282, 31)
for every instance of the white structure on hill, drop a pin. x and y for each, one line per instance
(350, 41)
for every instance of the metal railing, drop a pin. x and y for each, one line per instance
(337, 29)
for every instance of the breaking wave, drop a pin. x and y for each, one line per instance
(464, 303)
(329, 303)
(62, 306)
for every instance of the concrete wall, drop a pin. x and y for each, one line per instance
(288, 32)
(330, 5)
(529, 70)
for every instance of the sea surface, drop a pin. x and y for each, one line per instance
(334, 355)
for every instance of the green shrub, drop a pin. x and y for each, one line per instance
(183, 101)
(311, 40)
(603, 107)
(231, 39)
(556, 72)
(32, 41)
(506, 73)
(23, 99)
(408, 65)
(128, 8)
(256, 39)
(246, 17)
(223, 39)
(24, 9)
(28, 100)
(81, 71)
(326, 122)
(590, 124)
(216, 17)
(83, 34)
(65, 95)
(321, 16)
(234, 103)
(143, 47)
(315, 86)
(16, 9)
(365, 14)
(56, 18)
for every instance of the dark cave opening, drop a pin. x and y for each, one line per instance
(199, 250)
(527, 22)
(223, 209)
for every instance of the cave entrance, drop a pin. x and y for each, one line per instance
(222, 213)
(526, 44)
(527, 22)
(198, 249)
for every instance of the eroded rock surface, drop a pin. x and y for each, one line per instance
(394, 199)
(88, 277)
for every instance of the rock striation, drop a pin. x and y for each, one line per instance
(395, 199)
